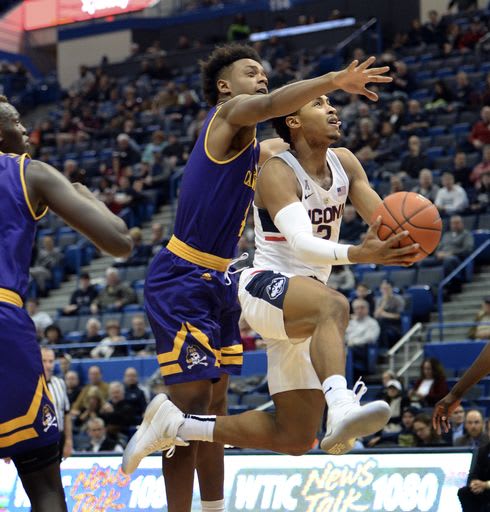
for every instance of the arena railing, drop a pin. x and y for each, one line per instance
(440, 291)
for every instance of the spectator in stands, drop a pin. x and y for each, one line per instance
(396, 114)
(99, 440)
(461, 170)
(389, 308)
(402, 79)
(415, 35)
(140, 253)
(52, 336)
(426, 186)
(72, 172)
(73, 388)
(479, 196)
(91, 408)
(396, 185)
(415, 160)
(415, 122)
(133, 392)
(425, 435)
(480, 331)
(282, 73)
(431, 386)
(155, 146)
(389, 144)
(362, 291)
(465, 94)
(175, 150)
(442, 98)
(105, 347)
(451, 198)
(480, 133)
(362, 331)
(455, 246)
(158, 240)
(115, 295)
(475, 497)
(398, 402)
(94, 379)
(118, 413)
(41, 319)
(473, 34)
(457, 421)
(48, 258)
(364, 140)
(483, 167)
(475, 435)
(342, 279)
(406, 437)
(139, 332)
(433, 30)
(239, 29)
(125, 154)
(352, 226)
(82, 297)
(64, 363)
(92, 331)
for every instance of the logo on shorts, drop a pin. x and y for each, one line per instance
(276, 287)
(49, 418)
(207, 276)
(195, 356)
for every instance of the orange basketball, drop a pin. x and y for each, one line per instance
(408, 211)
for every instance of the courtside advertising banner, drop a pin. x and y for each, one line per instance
(396, 482)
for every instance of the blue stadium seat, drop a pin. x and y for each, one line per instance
(434, 152)
(480, 236)
(461, 128)
(436, 130)
(422, 300)
(402, 278)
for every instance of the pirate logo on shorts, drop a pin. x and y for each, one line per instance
(49, 418)
(195, 356)
(276, 287)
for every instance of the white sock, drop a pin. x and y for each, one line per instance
(197, 427)
(213, 506)
(334, 389)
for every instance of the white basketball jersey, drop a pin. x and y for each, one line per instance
(325, 209)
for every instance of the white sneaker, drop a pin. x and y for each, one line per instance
(347, 420)
(157, 432)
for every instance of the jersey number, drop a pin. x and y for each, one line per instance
(325, 228)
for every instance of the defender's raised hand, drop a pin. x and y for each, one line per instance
(355, 77)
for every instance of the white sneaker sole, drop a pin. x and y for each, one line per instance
(130, 458)
(367, 420)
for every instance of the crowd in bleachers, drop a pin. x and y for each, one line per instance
(128, 139)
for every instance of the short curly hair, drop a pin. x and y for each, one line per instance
(221, 58)
(282, 129)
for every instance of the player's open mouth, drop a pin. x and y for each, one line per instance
(262, 91)
(335, 122)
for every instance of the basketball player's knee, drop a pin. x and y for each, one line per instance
(296, 442)
(335, 308)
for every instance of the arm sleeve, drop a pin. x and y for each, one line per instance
(293, 222)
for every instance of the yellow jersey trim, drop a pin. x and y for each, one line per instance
(232, 350)
(22, 435)
(30, 416)
(24, 188)
(203, 259)
(215, 160)
(173, 355)
(170, 369)
(10, 297)
(237, 360)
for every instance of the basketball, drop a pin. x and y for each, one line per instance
(408, 211)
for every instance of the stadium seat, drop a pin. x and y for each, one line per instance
(67, 323)
(373, 279)
(422, 301)
(402, 278)
(461, 128)
(430, 275)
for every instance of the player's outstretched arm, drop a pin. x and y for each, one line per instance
(247, 110)
(77, 206)
(443, 409)
(278, 191)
